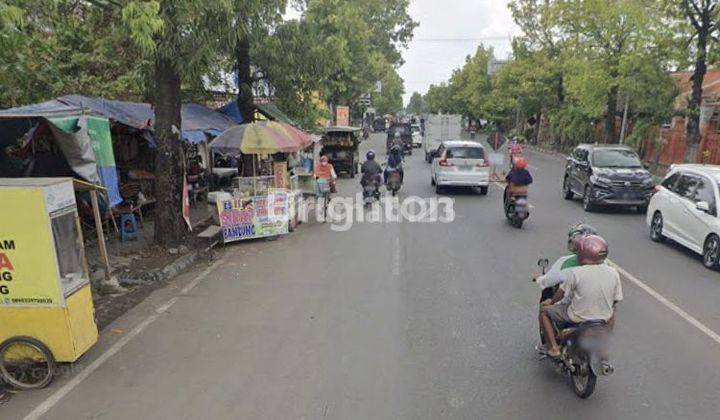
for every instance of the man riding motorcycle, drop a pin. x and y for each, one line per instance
(590, 293)
(394, 162)
(370, 169)
(558, 272)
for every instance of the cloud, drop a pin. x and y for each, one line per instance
(449, 31)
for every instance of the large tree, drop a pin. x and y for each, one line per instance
(603, 34)
(416, 104)
(702, 16)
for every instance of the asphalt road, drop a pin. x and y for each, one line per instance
(399, 321)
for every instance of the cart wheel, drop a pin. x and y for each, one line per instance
(26, 363)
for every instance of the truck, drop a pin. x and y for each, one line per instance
(440, 128)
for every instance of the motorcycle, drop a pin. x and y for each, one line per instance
(371, 192)
(583, 350)
(517, 209)
(394, 181)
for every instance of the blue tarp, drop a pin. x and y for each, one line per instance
(197, 120)
(232, 110)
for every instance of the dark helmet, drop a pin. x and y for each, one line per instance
(395, 149)
(370, 155)
(577, 232)
(592, 250)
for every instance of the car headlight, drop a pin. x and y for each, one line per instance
(649, 182)
(599, 180)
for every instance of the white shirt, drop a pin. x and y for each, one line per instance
(593, 290)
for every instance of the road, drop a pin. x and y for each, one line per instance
(399, 321)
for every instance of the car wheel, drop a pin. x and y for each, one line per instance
(588, 205)
(432, 181)
(483, 190)
(567, 192)
(711, 252)
(438, 189)
(656, 228)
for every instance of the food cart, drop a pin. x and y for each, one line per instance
(46, 306)
(342, 147)
(261, 206)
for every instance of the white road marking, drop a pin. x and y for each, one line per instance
(667, 303)
(396, 257)
(63, 391)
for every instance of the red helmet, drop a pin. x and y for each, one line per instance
(592, 250)
(521, 163)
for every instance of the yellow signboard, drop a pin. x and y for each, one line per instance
(28, 268)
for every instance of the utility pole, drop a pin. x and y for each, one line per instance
(624, 121)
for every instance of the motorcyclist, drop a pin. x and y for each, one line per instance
(593, 290)
(558, 272)
(394, 161)
(326, 171)
(517, 179)
(396, 141)
(370, 169)
(516, 151)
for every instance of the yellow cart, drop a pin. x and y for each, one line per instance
(46, 306)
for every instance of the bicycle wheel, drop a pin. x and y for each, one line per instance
(26, 363)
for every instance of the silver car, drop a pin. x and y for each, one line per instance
(460, 164)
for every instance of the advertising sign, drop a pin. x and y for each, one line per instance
(342, 115)
(28, 270)
(254, 217)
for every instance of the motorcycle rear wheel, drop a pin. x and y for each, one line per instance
(583, 385)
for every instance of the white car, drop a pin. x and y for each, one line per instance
(684, 209)
(417, 140)
(460, 164)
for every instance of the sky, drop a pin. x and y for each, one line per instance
(450, 30)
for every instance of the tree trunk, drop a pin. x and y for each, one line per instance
(695, 102)
(170, 228)
(609, 132)
(245, 99)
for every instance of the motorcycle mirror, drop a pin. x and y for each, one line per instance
(543, 262)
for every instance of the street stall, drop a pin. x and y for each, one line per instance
(46, 306)
(342, 147)
(265, 204)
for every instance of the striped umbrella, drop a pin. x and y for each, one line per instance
(262, 137)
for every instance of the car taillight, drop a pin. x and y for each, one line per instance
(444, 162)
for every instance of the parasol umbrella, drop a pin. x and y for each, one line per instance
(263, 137)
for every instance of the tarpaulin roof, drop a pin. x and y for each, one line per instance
(269, 110)
(52, 108)
(197, 120)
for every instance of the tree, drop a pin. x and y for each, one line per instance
(183, 38)
(703, 17)
(601, 35)
(439, 99)
(416, 104)
(389, 99)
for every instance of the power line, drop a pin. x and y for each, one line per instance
(485, 38)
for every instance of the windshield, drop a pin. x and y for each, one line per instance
(465, 153)
(616, 158)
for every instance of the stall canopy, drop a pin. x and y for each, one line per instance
(269, 111)
(198, 121)
(263, 137)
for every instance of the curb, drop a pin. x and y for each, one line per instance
(160, 274)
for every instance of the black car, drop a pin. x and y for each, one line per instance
(607, 175)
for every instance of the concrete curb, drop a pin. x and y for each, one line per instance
(160, 274)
